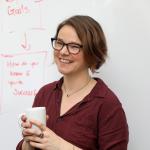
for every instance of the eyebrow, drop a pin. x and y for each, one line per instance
(69, 42)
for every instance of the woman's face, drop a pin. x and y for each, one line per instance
(67, 63)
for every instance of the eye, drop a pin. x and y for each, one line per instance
(58, 43)
(74, 46)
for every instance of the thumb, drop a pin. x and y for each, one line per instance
(47, 117)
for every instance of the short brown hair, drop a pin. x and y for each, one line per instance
(92, 37)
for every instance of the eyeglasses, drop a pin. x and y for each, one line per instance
(73, 48)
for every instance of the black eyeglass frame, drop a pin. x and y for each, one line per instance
(65, 44)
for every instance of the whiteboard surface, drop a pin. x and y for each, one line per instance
(26, 58)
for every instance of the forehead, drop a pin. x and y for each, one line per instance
(68, 34)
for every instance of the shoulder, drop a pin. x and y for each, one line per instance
(51, 86)
(45, 92)
(111, 108)
(107, 101)
(105, 95)
(110, 103)
(48, 87)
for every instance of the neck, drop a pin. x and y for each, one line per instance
(74, 84)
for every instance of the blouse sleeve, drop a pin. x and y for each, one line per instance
(113, 128)
(19, 146)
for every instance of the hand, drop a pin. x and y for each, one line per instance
(44, 138)
(25, 125)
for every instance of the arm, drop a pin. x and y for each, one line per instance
(23, 145)
(113, 128)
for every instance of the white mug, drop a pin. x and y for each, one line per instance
(36, 113)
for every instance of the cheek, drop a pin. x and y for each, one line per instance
(83, 62)
(55, 57)
(81, 59)
(55, 54)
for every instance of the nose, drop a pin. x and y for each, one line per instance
(64, 50)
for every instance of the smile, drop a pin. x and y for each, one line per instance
(66, 61)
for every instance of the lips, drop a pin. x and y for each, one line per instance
(66, 61)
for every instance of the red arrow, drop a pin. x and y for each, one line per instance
(24, 44)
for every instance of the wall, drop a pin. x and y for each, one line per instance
(26, 61)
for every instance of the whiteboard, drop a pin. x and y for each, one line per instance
(26, 58)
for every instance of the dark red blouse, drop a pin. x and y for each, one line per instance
(97, 122)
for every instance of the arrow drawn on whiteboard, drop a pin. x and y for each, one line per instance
(25, 44)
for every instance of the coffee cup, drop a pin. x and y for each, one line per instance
(36, 113)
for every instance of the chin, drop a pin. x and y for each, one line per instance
(64, 71)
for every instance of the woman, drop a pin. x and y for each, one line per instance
(83, 113)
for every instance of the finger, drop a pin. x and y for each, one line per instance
(23, 118)
(34, 139)
(32, 131)
(26, 124)
(26, 132)
(38, 124)
(47, 117)
(37, 145)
